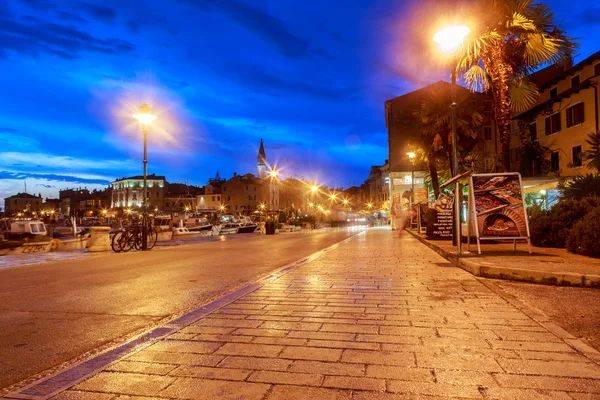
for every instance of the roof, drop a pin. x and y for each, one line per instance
(23, 196)
(151, 176)
(563, 95)
(553, 74)
(262, 157)
(415, 97)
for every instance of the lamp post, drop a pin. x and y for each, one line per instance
(145, 118)
(450, 39)
(412, 156)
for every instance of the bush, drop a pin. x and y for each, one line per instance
(550, 228)
(584, 237)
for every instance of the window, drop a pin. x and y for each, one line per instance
(554, 161)
(228, 198)
(553, 92)
(487, 132)
(596, 69)
(576, 80)
(575, 115)
(576, 153)
(249, 197)
(224, 188)
(236, 206)
(553, 124)
(218, 198)
(157, 194)
(254, 197)
(533, 134)
(515, 155)
(167, 204)
(488, 164)
(246, 187)
(213, 198)
(255, 188)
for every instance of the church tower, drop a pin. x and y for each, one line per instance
(262, 161)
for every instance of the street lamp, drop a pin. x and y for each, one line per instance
(273, 173)
(145, 118)
(450, 39)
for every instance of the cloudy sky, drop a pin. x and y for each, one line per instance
(309, 77)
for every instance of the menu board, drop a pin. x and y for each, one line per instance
(499, 206)
(439, 219)
(423, 217)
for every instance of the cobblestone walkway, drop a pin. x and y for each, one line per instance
(381, 317)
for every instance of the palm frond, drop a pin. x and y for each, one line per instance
(539, 49)
(476, 78)
(523, 95)
(520, 22)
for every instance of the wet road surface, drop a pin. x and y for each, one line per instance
(51, 313)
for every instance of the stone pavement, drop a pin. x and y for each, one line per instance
(381, 317)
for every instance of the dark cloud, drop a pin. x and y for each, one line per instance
(57, 40)
(268, 27)
(45, 186)
(67, 16)
(258, 77)
(52, 177)
(101, 13)
(9, 130)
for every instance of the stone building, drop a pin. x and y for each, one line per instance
(22, 202)
(129, 192)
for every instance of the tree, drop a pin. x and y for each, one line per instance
(592, 156)
(434, 119)
(513, 39)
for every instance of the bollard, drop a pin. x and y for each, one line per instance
(99, 239)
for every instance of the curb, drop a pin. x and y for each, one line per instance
(488, 270)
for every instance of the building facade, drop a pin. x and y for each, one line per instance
(21, 203)
(129, 192)
(567, 111)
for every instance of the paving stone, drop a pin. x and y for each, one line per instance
(458, 361)
(260, 332)
(322, 335)
(291, 326)
(176, 358)
(289, 378)
(217, 330)
(125, 383)
(590, 385)
(211, 373)
(497, 393)
(203, 389)
(512, 345)
(345, 382)
(250, 349)
(207, 337)
(283, 341)
(465, 378)
(344, 345)
(178, 346)
(379, 357)
(328, 368)
(349, 328)
(230, 323)
(255, 363)
(79, 395)
(311, 353)
(387, 339)
(401, 373)
(280, 392)
(551, 368)
(433, 389)
(142, 367)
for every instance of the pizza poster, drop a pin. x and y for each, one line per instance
(499, 206)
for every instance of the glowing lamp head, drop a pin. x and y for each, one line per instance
(345, 201)
(543, 192)
(310, 204)
(144, 115)
(411, 155)
(314, 188)
(370, 205)
(449, 39)
(333, 197)
(273, 173)
(221, 208)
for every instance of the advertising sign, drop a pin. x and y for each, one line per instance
(499, 206)
(439, 219)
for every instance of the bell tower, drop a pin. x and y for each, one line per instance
(262, 161)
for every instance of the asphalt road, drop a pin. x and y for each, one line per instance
(54, 312)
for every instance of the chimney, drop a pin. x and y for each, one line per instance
(234, 174)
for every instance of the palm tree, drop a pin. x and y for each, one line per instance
(513, 39)
(434, 119)
(592, 156)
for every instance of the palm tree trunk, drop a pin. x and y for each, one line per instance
(434, 175)
(500, 72)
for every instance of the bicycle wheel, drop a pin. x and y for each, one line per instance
(126, 241)
(152, 238)
(115, 243)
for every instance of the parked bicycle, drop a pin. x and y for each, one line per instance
(131, 238)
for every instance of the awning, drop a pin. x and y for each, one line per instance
(532, 185)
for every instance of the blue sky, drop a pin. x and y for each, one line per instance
(310, 78)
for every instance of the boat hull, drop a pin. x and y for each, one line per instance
(26, 248)
(71, 244)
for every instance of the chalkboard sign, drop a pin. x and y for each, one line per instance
(439, 224)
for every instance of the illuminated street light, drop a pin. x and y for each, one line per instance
(333, 196)
(145, 118)
(311, 205)
(346, 202)
(370, 205)
(273, 173)
(450, 39)
(314, 188)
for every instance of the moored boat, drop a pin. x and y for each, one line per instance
(184, 233)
